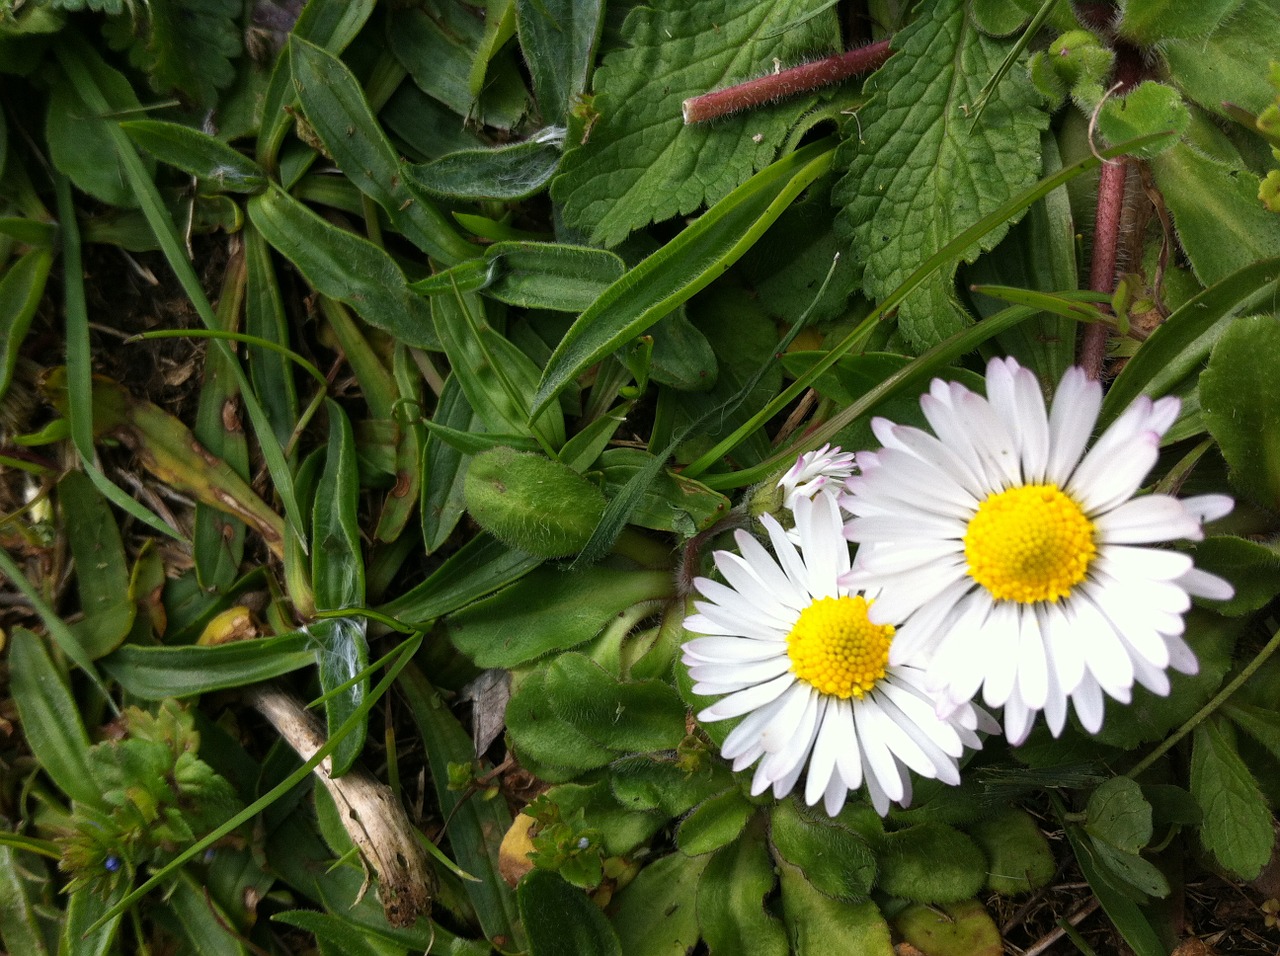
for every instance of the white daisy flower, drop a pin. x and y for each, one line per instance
(1011, 555)
(795, 652)
(821, 470)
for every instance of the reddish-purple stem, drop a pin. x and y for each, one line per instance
(789, 82)
(1102, 271)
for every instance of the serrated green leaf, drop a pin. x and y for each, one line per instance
(1148, 22)
(189, 45)
(1237, 827)
(344, 266)
(197, 153)
(668, 887)
(731, 894)
(561, 919)
(920, 171)
(835, 860)
(1240, 396)
(641, 163)
(1221, 224)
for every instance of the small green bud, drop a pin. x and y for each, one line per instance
(1018, 855)
(531, 502)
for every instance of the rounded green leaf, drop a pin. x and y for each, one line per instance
(1019, 858)
(814, 920)
(931, 863)
(532, 503)
(835, 860)
(1149, 108)
(561, 920)
(958, 929)
(714, 823)
(656, 915)
(731, 893)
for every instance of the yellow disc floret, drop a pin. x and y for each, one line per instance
(1030, 543)
(835, 648)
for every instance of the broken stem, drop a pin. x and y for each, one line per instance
(784, 83)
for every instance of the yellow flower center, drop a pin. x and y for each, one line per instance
(1030, 543)
(834, 648)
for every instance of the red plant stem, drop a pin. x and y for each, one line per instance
(1102, 270)
(789, 82)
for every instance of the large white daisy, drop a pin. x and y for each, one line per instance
(794, 651)
(1011, 555)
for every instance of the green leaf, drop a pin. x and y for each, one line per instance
(1019, 858)
(670, 502)
(154, 673)
(443, 466)
(509, 172)
(920, 171)
(20, 879)
(562, 919)
(641, 163)
(814, 920)
(21, 289)
(199, 154)
(50, 718)
(1260, 723)
(102, 572)
(1180, 345)
(85, 908)
(186, 45)
(201, 920)
(731, 894)
(666, 887)
(344, 266)
(1221, 224)
(1231, 64)
(80, 143)
(476, 825)
(931, 863)
(1237, 827)
(551, 748)
(1119, 814)
(558, 39)
(549, 610)
(1148, 22)
(337, 580)
(836, 861)
(1148, 108)
(1252, 568)
(714, 823)
(536, 275)
(338, 112)
(438, 48)
(626, 716)
(1240, 396)
(655, 782)
(955, 929)
(681, 268)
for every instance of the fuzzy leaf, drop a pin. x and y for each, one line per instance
(187, 45)
(1231, 64)
(921, 171)
(1147, 22)
(1237, 825)
(641, 163)
(731, 894)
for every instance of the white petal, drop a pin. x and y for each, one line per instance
(730, 650)
(1111, 472)
(878, 761)
(1208, 507)
(1147, 519)
(1202, 584)
(744, 701)
(1033, 676)
(1017, 720)
(1087, 700)
(1071, 419)
(848, 758)
(1001, 653)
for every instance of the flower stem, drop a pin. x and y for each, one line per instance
(1102, 271)
(1199, 717)
(784, 83)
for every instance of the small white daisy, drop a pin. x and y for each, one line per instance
(821, 470)
(1008, 552)
(795, 652)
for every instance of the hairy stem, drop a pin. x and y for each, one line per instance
(784, 83)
